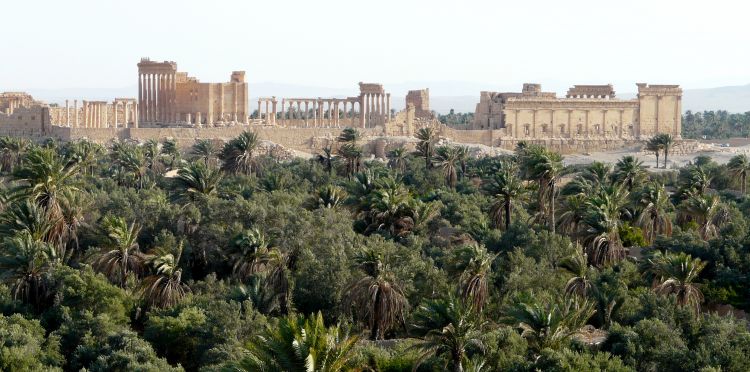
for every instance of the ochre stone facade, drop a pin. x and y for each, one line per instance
(168, 97)
(420, 99)
(588, 111)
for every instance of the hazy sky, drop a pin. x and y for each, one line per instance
(64, 44)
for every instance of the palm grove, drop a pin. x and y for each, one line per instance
(146, 257)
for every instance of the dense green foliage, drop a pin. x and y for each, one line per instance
(144, 257)
(715, 124)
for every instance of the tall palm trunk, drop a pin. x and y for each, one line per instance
(552, 207)
(375, 331)
(666, 153)
(508, 207)
(457, 357)
(657, 159)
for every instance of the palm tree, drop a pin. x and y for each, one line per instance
(629, 171)
(297, 344)
(739, 166)
(331, 196)
(676, 274)
(376, 296)
(577, 265)
(707, 211)
(150, 152)
(666, 140)
(196, 181)
(654, 206)
(603, 220)
(506, 187)
(84, 153)
(25, 216)
(246, 253)
(696, 179)
(353, 154)
(251, 256)
(327, 158)
(44, 178)
(238, 155)
(574, 209)
(389, 207)
(451, 329)
(24, 265)
(204, 149)
(121, 256)
(397, 158)
(544, 166)
(472, 285)
(170, 149)
(549, 326)
(447, 157)
(656, 146)
(426, 146)
(74, 206)
(165, 287)
(463, 157)
(349, 135)
(132, 159)
(12, 150)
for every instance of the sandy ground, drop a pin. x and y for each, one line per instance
(719, 154)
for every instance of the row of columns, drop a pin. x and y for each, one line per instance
(96, 114)
(376, 109)
(157, 96)
(308, 112)
(13, 104)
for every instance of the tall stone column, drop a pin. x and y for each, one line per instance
(140, 87)
(307, 111)
(337, 115)
(259, 115)
(321, 117)
(136, 118)
(114, 114)
(221, 102)
(273, 118)
(67, 114)
(84, 113)
(362, 122)
(126, 113)
(283, 112)
(75, 111)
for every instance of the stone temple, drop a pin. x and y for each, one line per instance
(586, 111)
(166, 96)
(172, 104)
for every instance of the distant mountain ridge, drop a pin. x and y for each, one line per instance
(729, 98)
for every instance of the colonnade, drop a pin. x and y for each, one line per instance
(129, 112)
(365, 111)
(376, 109)
(96, 114)
(13, 104)
(157, 93)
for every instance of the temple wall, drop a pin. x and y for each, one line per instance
(30, 122)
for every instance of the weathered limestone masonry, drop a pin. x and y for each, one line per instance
(587, 112)
(420, 99)
(370, 109)
(167, 97)
(121, 113)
